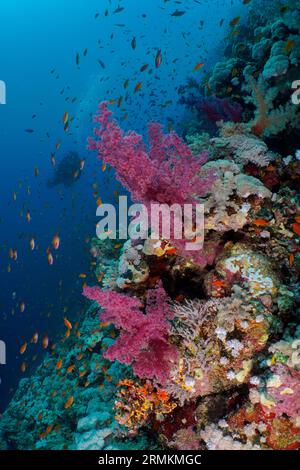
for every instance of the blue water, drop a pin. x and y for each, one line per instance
(39, 42)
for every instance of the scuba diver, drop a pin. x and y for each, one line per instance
(67, 171)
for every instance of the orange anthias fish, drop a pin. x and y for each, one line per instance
(65, 117)
(296, 228)
(69, 403)
(198, 66)
(56, 242)
(158, 59)
(35, 338)
(235, 21)
(45, 342)
(59, 364)
(23, 348)
(261, 222)
(68, 324)
(50, 257)
(70, 369)
(138, 87)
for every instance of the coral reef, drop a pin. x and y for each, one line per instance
(197, 350)
(256, 73)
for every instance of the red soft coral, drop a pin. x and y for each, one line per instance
(143, 341)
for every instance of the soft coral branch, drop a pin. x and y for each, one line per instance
(166, 172)
(143, 341)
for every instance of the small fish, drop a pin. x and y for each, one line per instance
(158, 59)
(178, 13)
(32, 244)
(133, 43)
(100, 62)
(23, 348)
(119, 9)
(45, 341)
(29, 131)
(68, 324)
(65, 117)
(261, 222)
(59, 364)
(69, 403)
(198, 66)
(35, 338)
(291, 260)
(296, 228)
(50, 258)
(138, 87)
(56, 242)
(234, 21)
(22, 307)
(78, 59)
(144, 67)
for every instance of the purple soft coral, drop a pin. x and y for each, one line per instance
(143, 341)
(213, 109)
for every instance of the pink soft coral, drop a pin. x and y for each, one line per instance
(143, 341)
(167, 172)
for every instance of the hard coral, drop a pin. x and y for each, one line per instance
(139, 403)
